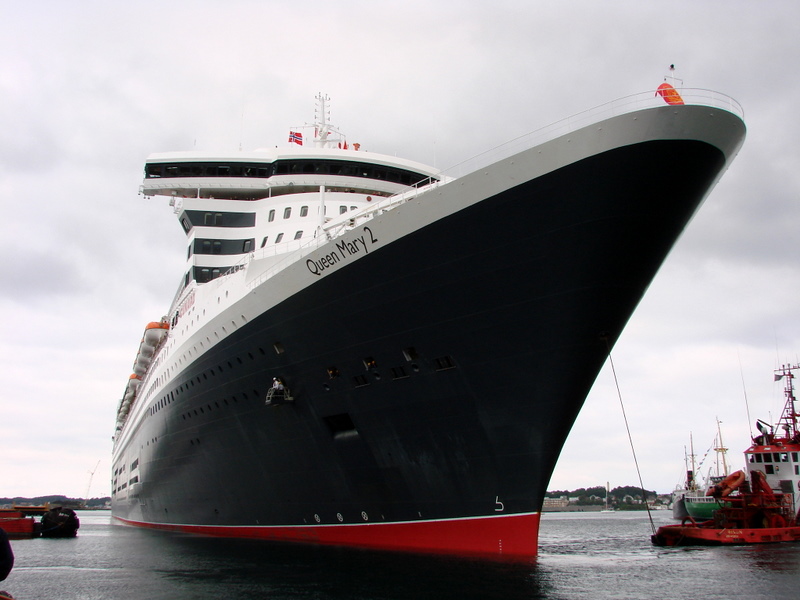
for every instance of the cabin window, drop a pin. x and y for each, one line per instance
(776, 457)
(353, 207)
(769, 469)
(287, 212)
(303, 211)
(271, 217)
(264, 241)
(228, 219)
(443, 363)
(784, 457)
(399, 373)
(758, 458)
(279, 238)
(298, 235)
(794, 456)
(217, 247)
(342, 210)
(247, 246)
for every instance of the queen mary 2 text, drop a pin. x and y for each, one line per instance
(344, 250)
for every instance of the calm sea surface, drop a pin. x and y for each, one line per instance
(582, 555)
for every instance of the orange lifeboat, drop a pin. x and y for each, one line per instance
(155, 332)
(727, 485)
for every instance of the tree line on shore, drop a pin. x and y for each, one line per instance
(597, 494)
(56, 500)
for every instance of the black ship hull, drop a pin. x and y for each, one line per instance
(434, 380)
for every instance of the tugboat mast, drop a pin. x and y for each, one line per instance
(788, 420)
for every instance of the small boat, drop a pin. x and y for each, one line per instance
(17, 524)
(607, 508)
(701, 503)
(763, 509)
(751, 517)
(689, 487)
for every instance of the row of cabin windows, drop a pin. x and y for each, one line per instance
(285, 167)
(772, 460)
(772, 457)
(232, 247)
(206, 274)
(287, 212)
(206, 246)
(279, 238)
(192, 218)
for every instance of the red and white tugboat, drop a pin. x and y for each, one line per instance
(765, 508)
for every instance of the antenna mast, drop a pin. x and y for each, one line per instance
(788, 420)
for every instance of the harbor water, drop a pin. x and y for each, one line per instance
(582, 555)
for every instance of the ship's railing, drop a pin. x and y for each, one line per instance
(621, 106)
(615, 108)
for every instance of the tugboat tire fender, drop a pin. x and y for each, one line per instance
(777, 521)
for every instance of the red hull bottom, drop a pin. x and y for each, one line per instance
(512, 538)
(690, 535)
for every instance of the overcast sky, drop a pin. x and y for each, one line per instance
(89, 89)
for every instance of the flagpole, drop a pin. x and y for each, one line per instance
(321, 208)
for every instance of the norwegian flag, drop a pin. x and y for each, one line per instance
(296, 137)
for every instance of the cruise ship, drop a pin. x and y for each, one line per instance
(366, 351)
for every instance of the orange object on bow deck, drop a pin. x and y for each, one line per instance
(669, 93)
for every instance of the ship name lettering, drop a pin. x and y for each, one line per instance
(344, 249)
(326, 262)
(351, 248)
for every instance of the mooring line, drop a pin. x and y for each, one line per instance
(630, 438)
